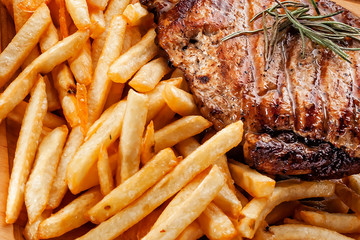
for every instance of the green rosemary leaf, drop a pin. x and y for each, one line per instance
(315, 7)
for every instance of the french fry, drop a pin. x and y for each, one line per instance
(253, 182)
(131, 61)
(132, 37)
(21, 86)
(6, 230)
(186, 212)
(81, 99)
(114, 95)
(101, 84)
(20, 16)
(348, 196)
(147, 144)
(86, 155)
(81, 65)
(131, 135)
(62, 18)
(179, 130)
(49, 38)
(97, 22)
(258, 208)
(180, 101)
(100, 4)
(25, 150)
(215, 224)
(104, 171)
(354, 183)
(31, 230)
(134, 13)
(191, 232)
(70, 217)
(43, 173)
(299, 231)
(195, 163)
(177, 73)
(79, 13)
(150, 75)
(59, 186)
(51, 95)
(281, 211)
(164, 117)
(119, 198)
(23, 43)
(332, 204)
(7, 27)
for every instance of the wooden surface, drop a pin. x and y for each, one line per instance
(352, 5)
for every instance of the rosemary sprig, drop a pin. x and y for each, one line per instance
(319, 29)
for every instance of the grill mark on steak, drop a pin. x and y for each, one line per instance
(316, 99)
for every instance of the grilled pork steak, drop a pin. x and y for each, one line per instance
(301, 114)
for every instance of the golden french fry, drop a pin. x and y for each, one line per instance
(81, 65)
(195, 163)
(23, 43)
(253, 182)
(51, 95)
(131, 134)
(81, 99)
(179, 130)
(21, 86)
(215, 224)
(354, 183)
(180, 101)
(331, 204)
(104, 171)
(177, 73)
(25, 150)
(281, 211)
(86, 155)
(147, 144)
(114, 95)
(150, 75)
(6, 230)
(131, 61)
(49, 38)
(101, 84)
(119, 198)
(163, 118)
(132, 37)
(258, 208)
(300, 231)
(70, 217)
(79, 13)
(191, 232)
(134, 13)
(31, 230)
(59, 186)
(348, 196)
(97, 22)
(243, 200)
(186, 212)
(100, 4)
(7, 27)
(43, 173)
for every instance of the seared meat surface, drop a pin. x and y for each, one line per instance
(313, 100)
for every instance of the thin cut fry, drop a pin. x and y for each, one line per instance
(49, 38)
(97, 22)
(100, 4)
(114, 95)
(70, 217)
(81, 65)
(281, 211)
(163, 118)
(81, 97)
(147, 145)
(62, 18)
(134, 14)
(79, 13)
(128, 191)
(191, 232)
(354, 183)
(150, 75)
(132, 37)
(42, 175)
(131, 134)
(23, 43)
(195, 163)
(59, 186)
(101, 84)
(51, 95)
(104, 171)
(180, 101)
(95, 126)
(31, 230)
(180, 130)
(131, 61)
(348, 196)
(25, 150)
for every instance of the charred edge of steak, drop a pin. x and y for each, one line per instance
(290, 154)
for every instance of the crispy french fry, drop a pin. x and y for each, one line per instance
(104, 171)
(62, 18)
(39, 184)
(23, 43)
(95, 126)
(131, 134)
(49, 38)
(253, 182)
(81, 65)
(331, 204)
(6, 230)
(21, 86)
(187, 211)
(97, 22)
(51, 95)
(147, 144)
(258, 208)
(20, 15)
(150, 75)
(131, 61)
(79, 13)
(354, 183)
(163, 118)
(119, 198)
(31, 230)
(348, 196)
(70, 217)
(191, 232)
(86, 155)
(134, 14)
(300, 231)
(132, 37)
(101, 84)
(81, 99)
(59, 186)
(281, 211)
(180, 101)
(114, 95)
(177, 73)
(195, 163)
(100, 4)
(25, 150)
(179, 130)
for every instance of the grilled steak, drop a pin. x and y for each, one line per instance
(301, 114)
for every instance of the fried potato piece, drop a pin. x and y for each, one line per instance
(354, 183)
(104, 171)
(81, 65)
(134, 13)
(98, 24)
(31, 230)
(348, 196)
(79, 13)
(180, 101)
(147, 145)
(191, 232)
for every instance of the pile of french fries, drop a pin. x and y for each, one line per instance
(101, 139)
